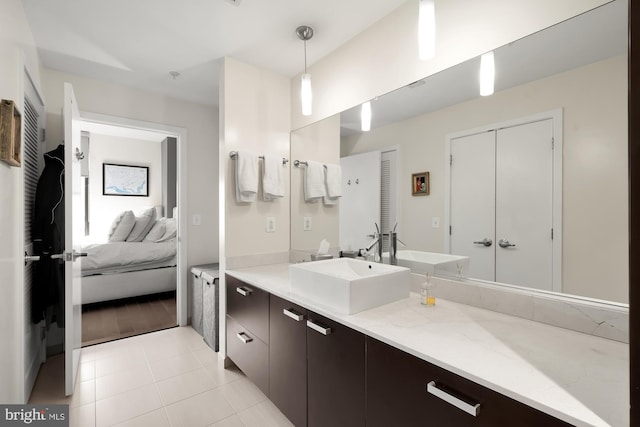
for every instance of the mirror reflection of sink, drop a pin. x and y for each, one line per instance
(431, 262)
(349, 285)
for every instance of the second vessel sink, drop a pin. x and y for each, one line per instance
(421, 262)
(349, 285)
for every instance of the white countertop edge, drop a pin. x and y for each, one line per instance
(272, 279)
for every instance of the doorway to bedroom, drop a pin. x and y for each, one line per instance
(130, 188)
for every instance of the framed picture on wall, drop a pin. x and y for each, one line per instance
(125, 180)
(420, 184)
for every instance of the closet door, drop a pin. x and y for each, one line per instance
(472, 210)
(524, 205)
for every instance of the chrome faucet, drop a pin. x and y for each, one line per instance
(393, 246)
(377, 240)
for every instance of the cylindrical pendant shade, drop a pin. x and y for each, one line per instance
(365, 117)
(487, 74)
(306, 96)
(427, 29)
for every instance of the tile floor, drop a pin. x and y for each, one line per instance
(166, 378)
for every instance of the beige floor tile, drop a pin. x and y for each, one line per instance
(224, 376)
(121, 381)
(83, 416)
(176, 365)
(264, 414)
(127, 405)
(200, 410)
(242, 394)
(120, 362)
(87, 370)
(85, 392)
(157, 418)
(207, 356)
(185, 385)
(232, 421)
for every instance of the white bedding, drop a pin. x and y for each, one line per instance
(124, 256)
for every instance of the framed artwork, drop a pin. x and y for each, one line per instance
(125, 180)
(420, 184)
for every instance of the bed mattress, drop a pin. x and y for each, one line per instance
(119, 257)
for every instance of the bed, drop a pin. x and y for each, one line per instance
(126, 267)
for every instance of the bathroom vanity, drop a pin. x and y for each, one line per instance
(405, 364)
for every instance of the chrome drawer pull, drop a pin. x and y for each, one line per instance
(244, 337)
(290, 313)
(458, 403)
(318, 328)
(244, 291)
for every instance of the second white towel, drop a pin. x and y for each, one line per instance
(272, 183)
(314, 187)
(246, 176)
(333, 183)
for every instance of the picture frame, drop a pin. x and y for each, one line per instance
(125, 180)
(420, 184)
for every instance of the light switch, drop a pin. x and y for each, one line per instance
(270, 225)
(307, 223)
(435, 222)
(196, 219)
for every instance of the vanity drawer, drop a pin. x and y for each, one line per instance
(397, 395)
(249, 306)
(249, 353)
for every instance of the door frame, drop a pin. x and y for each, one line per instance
(180, 134)
(557, 117)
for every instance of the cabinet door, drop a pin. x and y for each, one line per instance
(249, 353)
(288, 359)
(335, 374)
(249, 306)
(397, 395)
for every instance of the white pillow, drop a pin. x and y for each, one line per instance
(157, 231)
(122, 226)
(144, 222)
(170, 230)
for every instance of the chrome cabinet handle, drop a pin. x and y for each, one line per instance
(504, 243)
(433, 389)
(290, 313)
(244, 337)
(486, 242)
(244, 291)
(318, 328)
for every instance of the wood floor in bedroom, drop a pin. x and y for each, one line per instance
(113, 320)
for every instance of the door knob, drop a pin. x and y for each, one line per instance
(504, 243)
(485, 242)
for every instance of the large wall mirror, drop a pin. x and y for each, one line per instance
(576, 70)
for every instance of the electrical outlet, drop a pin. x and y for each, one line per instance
(270, 227)
(196, 219)
(435, 222)
(306, 226)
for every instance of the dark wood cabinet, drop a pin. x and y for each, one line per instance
(335, 374)
(248, 306)
(288, 359)
(397, 395)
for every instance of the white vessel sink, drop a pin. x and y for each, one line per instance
(431, 262)
(349, 285)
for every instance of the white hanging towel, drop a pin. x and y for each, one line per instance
(314, 182)
(333, 184)
(272, 183)
(246, 176)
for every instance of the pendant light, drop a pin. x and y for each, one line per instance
(306, 96)
(487, 74)
(426, 29)
(365, 117)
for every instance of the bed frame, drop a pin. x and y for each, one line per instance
(107, 287)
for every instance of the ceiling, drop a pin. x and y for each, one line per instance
(138, 42)
(584, 39)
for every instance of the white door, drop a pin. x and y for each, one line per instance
(74, 232)
(472, 209)
(360, 201)
(524, 203)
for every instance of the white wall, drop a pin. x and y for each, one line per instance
(595, 207)
(127, 151)
(320, 142)
(16, 44)
(256, 118)
(385, 56)
(200, 121)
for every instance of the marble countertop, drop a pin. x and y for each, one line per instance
(579, 378)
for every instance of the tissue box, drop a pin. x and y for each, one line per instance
(318, 257)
